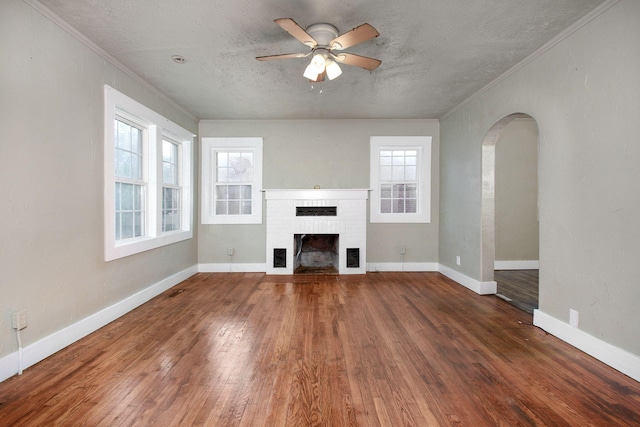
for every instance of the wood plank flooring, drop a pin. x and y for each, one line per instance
(382, 349)
(520, 286)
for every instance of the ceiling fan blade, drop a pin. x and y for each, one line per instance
(291, 27)
(358, 35)
(358, 61)
(283, 56)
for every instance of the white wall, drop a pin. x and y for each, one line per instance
(331, 154)
(51, 180)
(584, 94)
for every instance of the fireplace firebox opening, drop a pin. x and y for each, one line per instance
(316, 254)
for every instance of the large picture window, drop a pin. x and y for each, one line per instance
(147, 191)
(232, 180)
(400, 179)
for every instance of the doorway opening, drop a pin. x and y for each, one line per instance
(510, 227)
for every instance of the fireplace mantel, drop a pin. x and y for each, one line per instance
(317, 194)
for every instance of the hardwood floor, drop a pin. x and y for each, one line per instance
(382, 349)
(520, 287)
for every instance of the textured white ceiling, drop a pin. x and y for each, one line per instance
(435, 53)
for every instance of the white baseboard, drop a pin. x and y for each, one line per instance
(232, 268)
(39, 350)
(482, 288)
(517, 265)
(621, 360)
(402, 266)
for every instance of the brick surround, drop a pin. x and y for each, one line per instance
(350, 223)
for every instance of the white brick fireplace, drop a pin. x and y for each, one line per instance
(341, 212)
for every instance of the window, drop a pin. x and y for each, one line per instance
(170, 186)
(148, 191)
(130, 187)
(400, 179)
(231, 180)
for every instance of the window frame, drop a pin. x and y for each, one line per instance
(210, 147)
(155, 128)
(421, 144)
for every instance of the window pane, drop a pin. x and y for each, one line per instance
(398, 191)
(221, 208)
(222, 175)
(234, 207)
(137, 223)
(169, 163)
(398, 158)
(385, 160)
(411, 191)
(126, 194)
(129, 212)
(246, 207)
(127, 224)
(240, 167)
(410, 173)
(168, 174)
(223, 159)
(398, 206)
(234, 192)
(123, 136)
(222, 192)
(385, 173)
(398, 173)
(137, 197)
(170, 209)
(385, 191)
(385, 206)
(246, 192)
(135, 166)
(411, 206)
(128, 151)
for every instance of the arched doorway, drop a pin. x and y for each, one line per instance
(510, 230)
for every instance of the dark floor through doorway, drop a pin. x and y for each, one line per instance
(519, 287)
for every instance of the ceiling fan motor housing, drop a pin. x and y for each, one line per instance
(322, 33)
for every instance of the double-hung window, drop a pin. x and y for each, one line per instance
(130, 186)
(147, 178)
(231, 180)
(400, 179)
(171, 197)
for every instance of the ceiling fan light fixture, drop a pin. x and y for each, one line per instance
(316, 67)
(333, 69)
(311, 72)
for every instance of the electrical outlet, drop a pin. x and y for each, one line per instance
(458, 259)
(230, 251)
(19, 319)
(403, 250)
(574, 318)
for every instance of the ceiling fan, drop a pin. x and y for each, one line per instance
(326, 47)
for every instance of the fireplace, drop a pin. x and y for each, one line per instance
(316, 231)
(315, 254)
